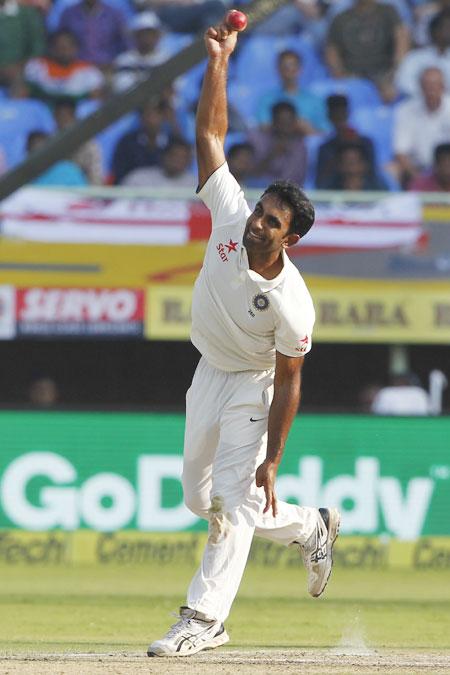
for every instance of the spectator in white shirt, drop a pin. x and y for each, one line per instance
(404, 396)
(436, 55)
(420, 124)
(424, 13)
(133, 65)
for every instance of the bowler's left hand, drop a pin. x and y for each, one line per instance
(265, 477)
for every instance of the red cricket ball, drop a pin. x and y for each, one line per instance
(236, 20)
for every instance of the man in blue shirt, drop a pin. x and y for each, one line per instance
(310, 108)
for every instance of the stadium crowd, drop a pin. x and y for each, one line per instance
(340, 95)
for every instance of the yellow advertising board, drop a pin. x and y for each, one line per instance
(353, 310)
(168, 312)
(347, 310)
(27, 264)
(130, 548)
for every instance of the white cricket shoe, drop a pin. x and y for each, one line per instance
(192, 633)
(317, 552)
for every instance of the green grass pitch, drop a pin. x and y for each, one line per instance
(101, 608)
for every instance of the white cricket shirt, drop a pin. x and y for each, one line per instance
(239, 319)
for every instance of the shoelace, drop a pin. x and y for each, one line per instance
(182, 623)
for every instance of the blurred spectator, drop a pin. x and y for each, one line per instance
(367, 40)
(143, 146)
(99, 28)
(404, 396)
(22, 37)
(310, 108)
(338, 114)
(61, 74)
(402, 8)
(64, 172)
(179, 121)
(353, 170)
(175, 171)
(185, 16)
(436, 55)
(420, 124)
(43, 393)
(88, 156)
(298, 16)
(135, 64)
(241, 160)
(424, 13)
(438, 180)
(19, 116)
(280, 149)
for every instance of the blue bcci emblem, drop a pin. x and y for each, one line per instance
(260, 302)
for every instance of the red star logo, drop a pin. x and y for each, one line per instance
(231, 246)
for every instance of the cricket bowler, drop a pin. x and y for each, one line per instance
(252, 321)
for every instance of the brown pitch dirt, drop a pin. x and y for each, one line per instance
(234, 662)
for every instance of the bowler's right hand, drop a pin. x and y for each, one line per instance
(220, 41)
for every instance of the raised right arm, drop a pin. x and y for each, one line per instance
(212, 117)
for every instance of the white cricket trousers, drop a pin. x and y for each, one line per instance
(225, 441)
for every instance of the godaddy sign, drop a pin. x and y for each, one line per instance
(114, 471)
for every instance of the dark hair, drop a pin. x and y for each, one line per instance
(437, 21)
(337, 101)
(238, 147)
(65, 102)
(177, 142)
(289, 52)
(441, 150)
(33, 135)
(153, 104)
(353, 145)
(303, 213)
(282, 106)
(62, 32)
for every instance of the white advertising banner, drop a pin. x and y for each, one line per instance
(36, 214)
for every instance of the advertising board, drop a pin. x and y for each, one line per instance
(109, 472)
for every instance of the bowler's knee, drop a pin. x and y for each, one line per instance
(196, 504)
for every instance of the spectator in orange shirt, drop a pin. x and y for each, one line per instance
(61, 74)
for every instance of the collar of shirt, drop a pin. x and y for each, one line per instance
(264, 284)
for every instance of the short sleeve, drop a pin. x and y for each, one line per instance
(224, 197)
(293, 330)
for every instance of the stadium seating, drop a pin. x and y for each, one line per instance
(245, 99)
(313, 144)
(360, 92)
(256, 60)
(18, 117)
(376, 122)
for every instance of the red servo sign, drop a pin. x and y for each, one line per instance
(72, 312)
